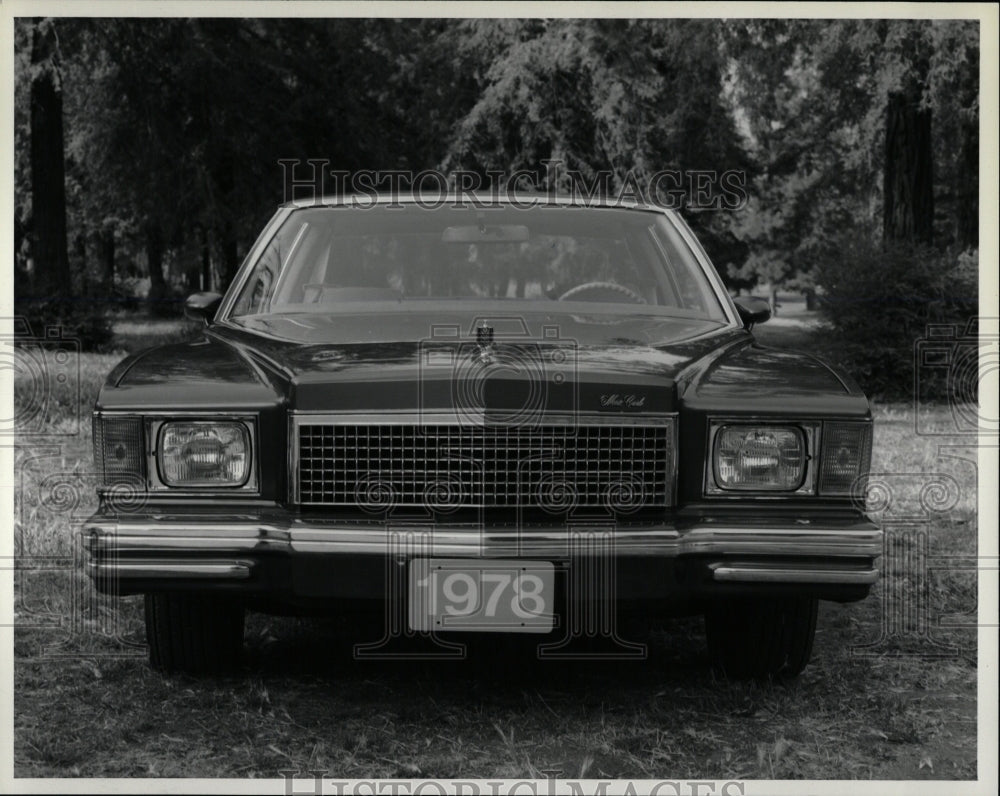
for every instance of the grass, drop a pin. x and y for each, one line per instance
(869, 706)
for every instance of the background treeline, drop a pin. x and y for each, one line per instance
(147, 150)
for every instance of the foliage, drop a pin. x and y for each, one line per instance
(812, 102)
(75, 320)
(880, 298)
(629, 97)
(176, 160)
(172, 164)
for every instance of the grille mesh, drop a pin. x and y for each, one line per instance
(450, 466)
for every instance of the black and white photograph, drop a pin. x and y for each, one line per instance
(543, 398)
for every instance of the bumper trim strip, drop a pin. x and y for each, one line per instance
(767, 573)
(108, 538)
(165, 568)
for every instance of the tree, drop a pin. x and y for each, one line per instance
(177, 158)
(629, 97)
(48, 186)
(172, 164)
(953, 92)
(908, 192)
(816, 99)
(907, 184)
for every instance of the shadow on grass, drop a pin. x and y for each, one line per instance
(326, 648)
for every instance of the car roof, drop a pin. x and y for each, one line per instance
(474, 199)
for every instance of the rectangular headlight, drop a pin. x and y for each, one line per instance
(204, 453)
(759, 458)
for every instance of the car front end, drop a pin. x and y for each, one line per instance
(501, 462)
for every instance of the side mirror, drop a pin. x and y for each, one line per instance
(202, 306)
(752, 310)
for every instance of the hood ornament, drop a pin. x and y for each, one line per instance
(485, 352)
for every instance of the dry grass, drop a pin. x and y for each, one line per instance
(868, 707)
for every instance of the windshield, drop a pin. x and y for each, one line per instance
(330, 259)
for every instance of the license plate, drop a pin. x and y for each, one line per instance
(481, 596)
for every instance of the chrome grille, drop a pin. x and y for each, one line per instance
(443, 466)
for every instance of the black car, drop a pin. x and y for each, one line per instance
(481, 417)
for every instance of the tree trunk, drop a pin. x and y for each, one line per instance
(80, 265)
(206, 263)
(193, 266)
(223, 179)
(154, 261)
(106, 249)
(230, 255)
(908, 194)
(810, 296)
(194, 279)
(967, 219)
(20, 234)
(48, 185)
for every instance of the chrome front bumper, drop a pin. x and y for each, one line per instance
(842, 551)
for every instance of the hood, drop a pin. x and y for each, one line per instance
(423, 360)
(206, 374)
(417, 361)
(772, 381)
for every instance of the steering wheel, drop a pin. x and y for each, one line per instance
(603, 291)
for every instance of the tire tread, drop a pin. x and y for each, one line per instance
(761, 639)
(193, 633)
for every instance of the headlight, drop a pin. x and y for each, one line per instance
(759, 458)
(204, 453)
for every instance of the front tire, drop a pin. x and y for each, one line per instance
(193, 633)
(761, 638)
